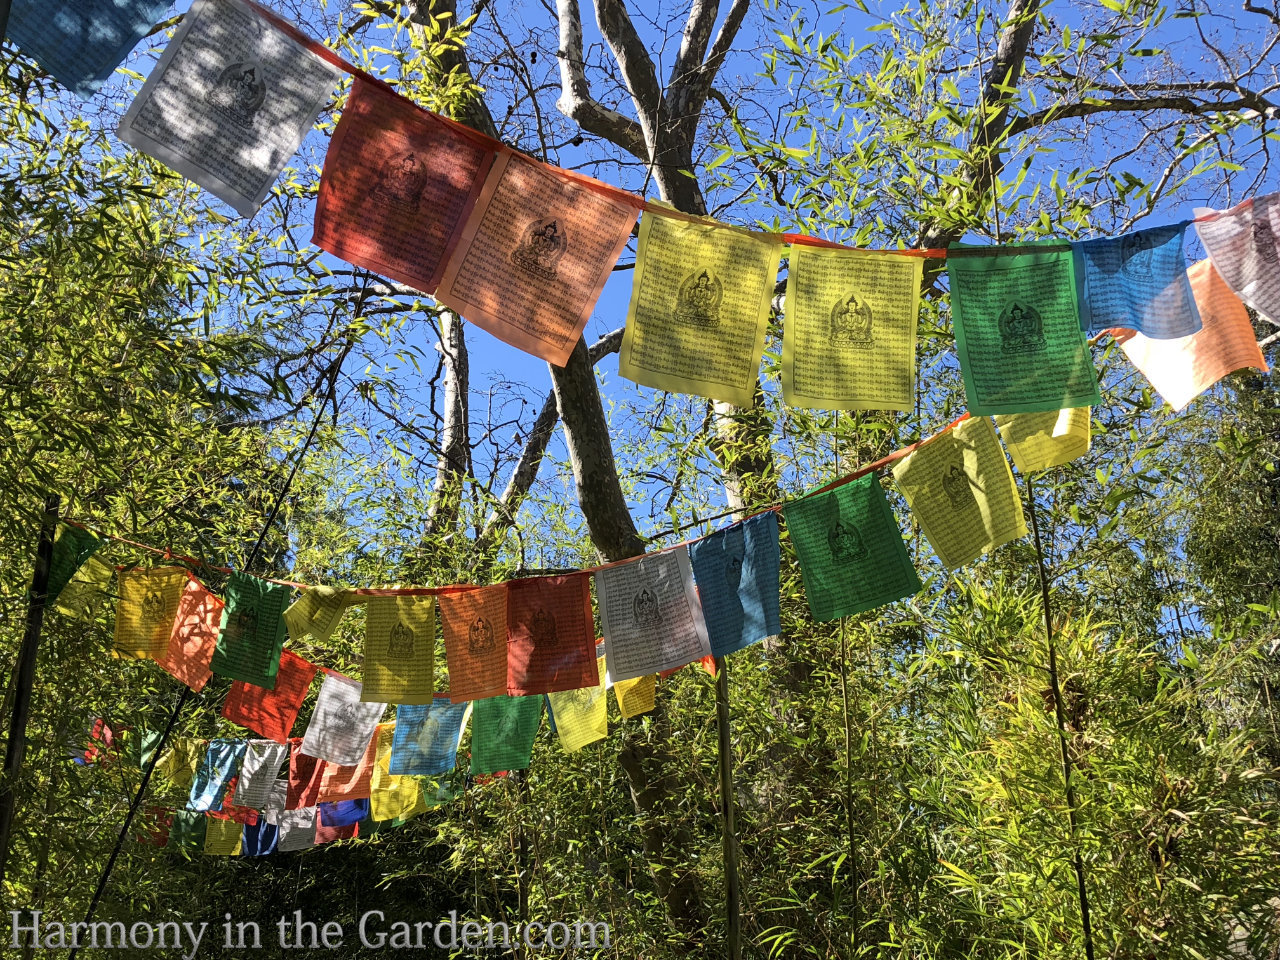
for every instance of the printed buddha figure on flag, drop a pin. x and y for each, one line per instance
(401, 184)
(239, 93)
(479, 637)
(698, 302)
(541, 248)
(1137, 251)
(957, 487)
(1021, 329)
(845, 542)
(243, 626)
(542, 628)
(851, 320)
(154, 608)
(400, 642)
(1262, 247)
(645, 609)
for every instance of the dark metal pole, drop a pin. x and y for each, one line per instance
(733, 913)
(4, 17)
(24, 681)
(1078, 862)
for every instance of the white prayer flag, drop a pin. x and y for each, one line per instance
(297, 829)
(341, 726)
(1244, 245)
(259, 772)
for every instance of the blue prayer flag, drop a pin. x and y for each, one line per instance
(80, 44)
(736, 570)
(219, 764)
(426, 738)
(343, 813)
(1137, 282)
(259, 839)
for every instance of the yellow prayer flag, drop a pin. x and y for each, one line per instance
(222, 838)
(960, 488)
(148, 606)
(1038, 441)
(84, 595)
(317, 612)
(580, 715)
(699, 308)
(849, 334)
(636, 696)
(392, 797)
(399, 650)
(179, 762)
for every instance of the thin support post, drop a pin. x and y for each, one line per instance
(1067, 771)
(24, 681)
(733, 912)
(4, 17)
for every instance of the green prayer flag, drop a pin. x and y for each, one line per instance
(252, 633)
(1017, 326)
(85, 594)
(502, 732)
(852, 557)
(186, 833)
(71, 549)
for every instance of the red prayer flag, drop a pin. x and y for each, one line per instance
(551, 637)
(271, 713)
(229, 811)
(397, 186)
(194, 636)
(152, 828)
(306, 773)
(325, 834)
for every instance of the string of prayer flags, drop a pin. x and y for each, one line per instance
(397, 186)
(1017, 327)
(178, 763)
(220, 762)
(580, 716)
(535, 254)
(222, 838)
(399, 650)
(394, 797)
(852, 556)
(427, 738)
(959, 486)
(259, 839)
(502, 733)
(71, 548)
(316, 613)
(736, 570)
(1244, 244)
(651, 616)
(272, 713)
(87, 592)
(849, 340)
(1181, 370)
(1038, 441)
(229, 102)
(296, 830)
(343, 813)
(474, 624)
(342, 724)
(699, 308)
(551, 637)
(80, 44)
(306, 773)
(259, 772)
(636, 697)
(252, 632)
(1137, 281)
(149, 600)
(186, 831)
(194, 636)
(351, 782)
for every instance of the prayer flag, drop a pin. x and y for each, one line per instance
(229, 102)
(194, 635)
(86, 593)
(178, 764)
(272, 713)
(535, 254)
(296, 830)
(849, 334)
(699, 308)
(222, 838)
(502, 733)
(1137, 281)
(306, 773)
(551, 637)
(737, 572)
(397, 186)
(152, 828)
(393, 798)
(342, 724)
(636, 696)
(1038, 441)
(259, 772)
(317, 613)
(71, 548)
(327, 834)
(80, 44)
(651, 616)
(427, 738)
(960, 488)
(1181, 370)
(148, 607)
(1244, 245)
(580, 716)
(343, 813)
(259, 839)
(1017, 327)
(399, 650)
(351, 782)
(229, 810)
(277, 801)
(852, 557)
(252, 632)
(186, 831)
(474, 624)
(220, 763)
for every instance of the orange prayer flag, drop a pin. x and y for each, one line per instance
(397, 186)
(474, 623)
(354, 782)
(1182, 369)
(195, 632)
